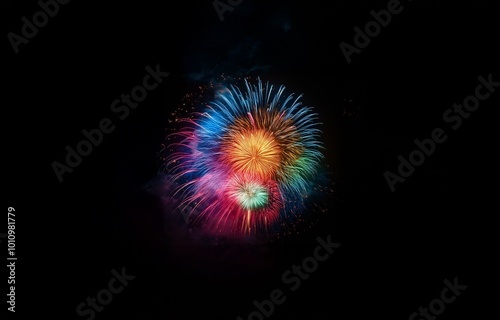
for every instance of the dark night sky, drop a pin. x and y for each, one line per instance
(396, 248)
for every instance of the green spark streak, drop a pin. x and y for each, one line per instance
(252, 196)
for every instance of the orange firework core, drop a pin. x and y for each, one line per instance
(255, 152)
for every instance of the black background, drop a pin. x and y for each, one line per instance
(396, 248)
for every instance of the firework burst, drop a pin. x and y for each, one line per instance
(248, 161)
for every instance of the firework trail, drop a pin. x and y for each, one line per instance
(248, 161)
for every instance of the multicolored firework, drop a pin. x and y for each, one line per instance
(248, 161)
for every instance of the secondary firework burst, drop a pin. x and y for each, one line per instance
(248, 161)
